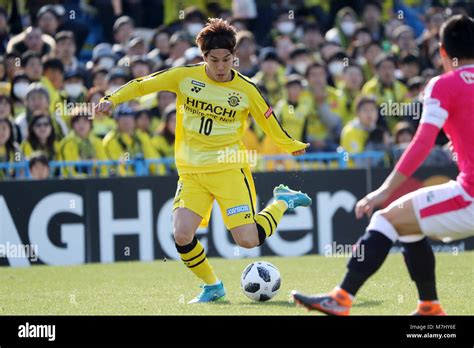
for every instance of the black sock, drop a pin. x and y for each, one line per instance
(420, 261)
(372, 249)
(261, 234)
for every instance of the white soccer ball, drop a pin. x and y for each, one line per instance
(260, 281)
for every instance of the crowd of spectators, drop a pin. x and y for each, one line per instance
(341, 75)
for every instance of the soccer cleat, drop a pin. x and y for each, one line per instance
(429, 308)
(210, 293)
(292, 198)
(337, 302)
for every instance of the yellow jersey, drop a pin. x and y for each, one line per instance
(354, 136)
(53, 155)
(211, 116)
(124, 147)
(316, 130)
(294, 117)
(73, 148)
(162, 146)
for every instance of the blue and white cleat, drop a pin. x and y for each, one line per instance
(292, 198)
(210, 293)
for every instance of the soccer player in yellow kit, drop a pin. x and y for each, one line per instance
(213, 103)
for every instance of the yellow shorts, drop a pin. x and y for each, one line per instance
(233, 189)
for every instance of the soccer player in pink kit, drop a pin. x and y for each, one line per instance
(444, 212)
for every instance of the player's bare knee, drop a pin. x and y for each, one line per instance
(396, 219)
(183, 235)
(245, 236)
(247, 243)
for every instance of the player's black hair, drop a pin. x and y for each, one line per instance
(53, 64)
(38, 157)
(365, 99)
(217, 33)
(315, 65)
(457, 37)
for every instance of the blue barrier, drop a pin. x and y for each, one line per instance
(141, 167)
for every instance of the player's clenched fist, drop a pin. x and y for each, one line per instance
(104, 107)
(367, 204)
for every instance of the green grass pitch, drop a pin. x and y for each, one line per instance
(163, 288)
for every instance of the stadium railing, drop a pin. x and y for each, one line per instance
(141, 167)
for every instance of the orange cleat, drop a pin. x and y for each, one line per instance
(429, 308)
(337, 302)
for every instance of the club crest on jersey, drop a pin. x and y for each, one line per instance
(234, 99)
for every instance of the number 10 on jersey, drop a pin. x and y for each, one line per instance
(206, 126)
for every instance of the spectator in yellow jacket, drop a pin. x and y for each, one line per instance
(294, 110)
(41, 137)
(356, 133)
(125, 143)
(53, 80)
(293, 114)
(353, 79)
(80, 144)
(102, 123)
(271, 77)
(37, 101)
(325, 123)
(163, 141)
(143, 121)
(385, 87)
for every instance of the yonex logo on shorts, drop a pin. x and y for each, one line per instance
(237, 210)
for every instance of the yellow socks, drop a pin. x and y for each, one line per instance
(268, 219)
(194, 257)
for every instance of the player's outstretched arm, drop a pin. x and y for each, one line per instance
(263, 114)
(165, 80)
(435, 114)
(410, 161)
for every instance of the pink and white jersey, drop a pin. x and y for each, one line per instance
(449, 104)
